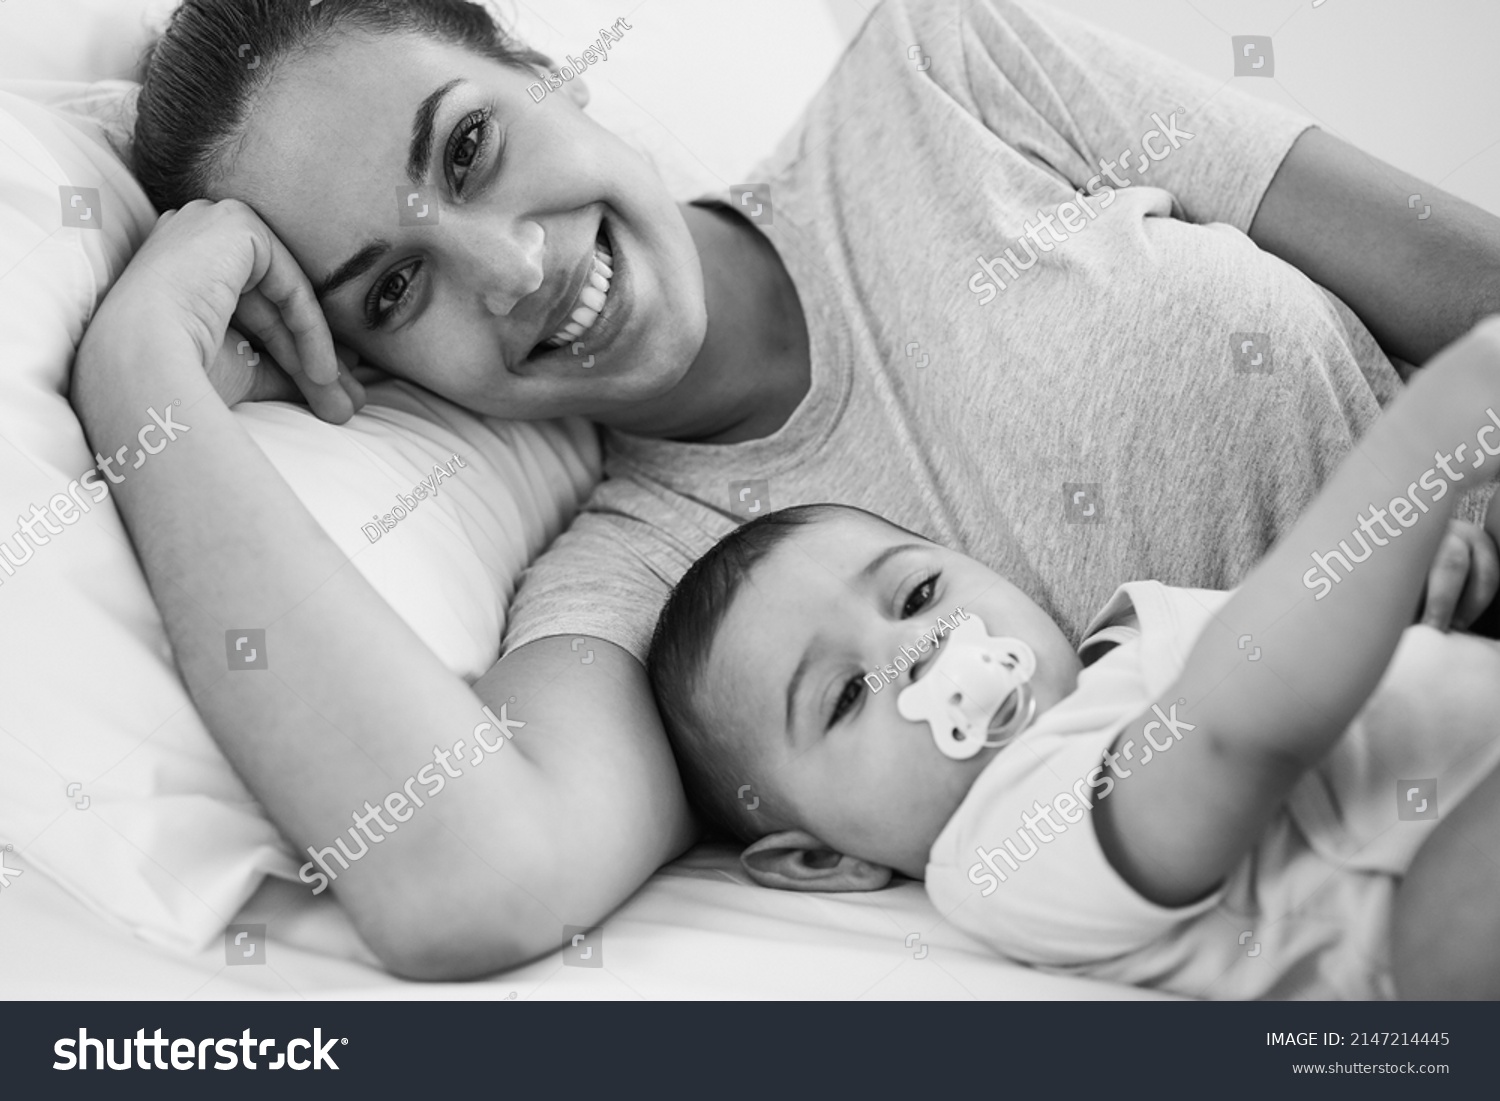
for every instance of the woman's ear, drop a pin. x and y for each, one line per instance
(577, 91)
(797, 861)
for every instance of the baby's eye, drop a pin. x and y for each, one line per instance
(847, 699)
(920, 596)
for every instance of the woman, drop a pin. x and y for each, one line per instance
(878, 336)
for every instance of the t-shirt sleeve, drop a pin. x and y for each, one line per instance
(587, 584)
(609, 574)
(1078, 97)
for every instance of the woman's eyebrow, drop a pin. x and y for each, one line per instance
(352, 268)
(420, 155)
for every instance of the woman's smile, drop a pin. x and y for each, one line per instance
(596, 312)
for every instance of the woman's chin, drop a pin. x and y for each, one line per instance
(600, 394)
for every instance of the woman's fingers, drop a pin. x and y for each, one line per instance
(278, 306)
(278, 279)
(259, 315)
(352, 385)
(262, 316)
(243, 373)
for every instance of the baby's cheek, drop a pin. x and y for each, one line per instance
(929, 782)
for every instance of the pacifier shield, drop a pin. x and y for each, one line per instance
(967, 687)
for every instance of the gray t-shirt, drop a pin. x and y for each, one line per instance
(1151, 397)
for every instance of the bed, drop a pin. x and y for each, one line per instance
(697, 930)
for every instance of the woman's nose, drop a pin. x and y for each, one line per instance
(506, 266)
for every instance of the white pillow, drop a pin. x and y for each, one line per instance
(170, 842)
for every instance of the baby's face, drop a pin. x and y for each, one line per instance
(835, 602)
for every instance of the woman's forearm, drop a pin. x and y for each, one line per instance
(352, 704)
(1350, 223)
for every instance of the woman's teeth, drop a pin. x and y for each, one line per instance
(590, 300)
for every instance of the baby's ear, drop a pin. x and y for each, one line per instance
(798, 861)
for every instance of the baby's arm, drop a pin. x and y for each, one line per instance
(1174, 827)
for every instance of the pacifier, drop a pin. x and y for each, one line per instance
(976, 693)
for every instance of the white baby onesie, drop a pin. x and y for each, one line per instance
(1306, 914)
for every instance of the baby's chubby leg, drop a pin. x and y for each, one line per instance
(1445, 935)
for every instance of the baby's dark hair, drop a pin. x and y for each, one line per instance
(198, 85)
(714, 767)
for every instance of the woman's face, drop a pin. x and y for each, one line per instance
(350, 144)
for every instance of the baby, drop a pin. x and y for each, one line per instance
(1218, 795)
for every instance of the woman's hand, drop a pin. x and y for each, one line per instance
(243, 372)
(1464, 577)
(210, 266)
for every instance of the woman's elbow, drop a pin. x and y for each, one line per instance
(450, 925)
(423, 945)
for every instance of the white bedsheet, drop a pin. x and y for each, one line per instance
(698, 929)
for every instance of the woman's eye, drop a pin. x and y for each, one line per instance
(388, 295)
(919, 597)
(465, 146)
(847, 699)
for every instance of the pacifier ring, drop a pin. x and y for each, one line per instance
(1020, 719)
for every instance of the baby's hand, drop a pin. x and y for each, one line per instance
(1463, 578)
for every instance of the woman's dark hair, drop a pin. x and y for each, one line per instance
(198, 84)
